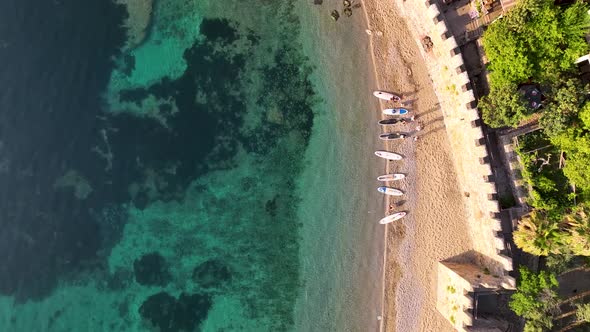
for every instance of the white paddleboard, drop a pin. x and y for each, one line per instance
(390, 191)
(388, 155)
(393, 217)
(386, 95)
(395, 111)
(391, 177)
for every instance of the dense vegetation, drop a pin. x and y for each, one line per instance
(536, 299)
(537, 43)
(536, 40)
(541, 169)
(574, 140)
(541, 234)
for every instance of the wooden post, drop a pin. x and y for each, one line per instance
(574, 188)
(561, 160)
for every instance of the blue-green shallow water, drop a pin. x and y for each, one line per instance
(152, 187)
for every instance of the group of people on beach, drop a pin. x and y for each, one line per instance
(400, 116)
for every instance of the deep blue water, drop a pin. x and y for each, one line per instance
(57, 58)
(56, 61)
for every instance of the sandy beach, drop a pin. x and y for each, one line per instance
(375, 49)
(386, 56)
(436, 227)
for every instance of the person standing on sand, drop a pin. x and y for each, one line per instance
(418, 128)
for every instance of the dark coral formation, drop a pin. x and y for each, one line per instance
(151, 270)
(271, 207)
(169, 314)
(219, 29)
(211, 274)
(133, 138)
(141, 200)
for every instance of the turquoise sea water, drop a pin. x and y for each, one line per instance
(179, 191)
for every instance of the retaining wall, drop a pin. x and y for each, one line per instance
(519, 187)
(453, 88)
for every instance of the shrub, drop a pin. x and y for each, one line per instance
(535, 299)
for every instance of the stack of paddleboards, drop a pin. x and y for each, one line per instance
(388, 155)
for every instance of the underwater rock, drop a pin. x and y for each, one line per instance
(141, 200)
(211, 274)
(271, 207)
(427, 43)
(169, 314)
(159, 310)
(151, 269)
(218, 30)
(335, 15)
(128, 64)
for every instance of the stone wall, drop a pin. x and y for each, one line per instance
(452, 297)
(511, 159)
(453, 88)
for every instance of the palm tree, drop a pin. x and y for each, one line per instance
(578, 237)
(538, 235)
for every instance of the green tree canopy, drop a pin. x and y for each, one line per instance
(535, 299)
(584, 117)
(574, 141)
(563, 105)
(583, 313)
(536, 39)
(504, 106)
(578, 222)
(538, 235)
